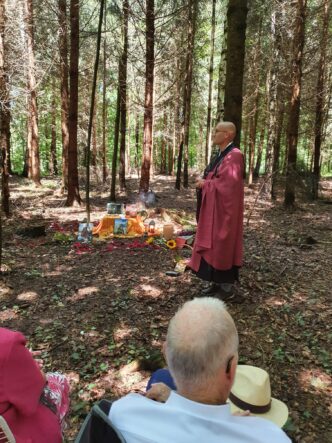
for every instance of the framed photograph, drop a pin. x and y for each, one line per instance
(85, 232)
(115, 208)
(120, 226)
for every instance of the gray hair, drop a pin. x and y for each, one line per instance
(201, 338)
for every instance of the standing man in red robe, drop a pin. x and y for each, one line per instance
(217, 253)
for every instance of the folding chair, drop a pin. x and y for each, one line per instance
(6, 435)
(97, 427)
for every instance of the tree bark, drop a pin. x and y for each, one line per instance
(259, 151)
(33, 138)
(164, 144)
(104, 149)
(94, 137)
(320, 98)
(53, 159)
(189, 83)
(187, 88)
(222, 78)
(4, 119)
(236, 36)
(255, 110)
(64, 90)
(123, 97)
(115, 144)
(209, 109)
(272, 86)
(295, 103)
(137, 143)
(148, 101)
(73, 195)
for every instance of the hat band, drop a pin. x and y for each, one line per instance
(247, 406)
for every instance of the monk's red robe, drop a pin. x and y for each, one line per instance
(219, 237)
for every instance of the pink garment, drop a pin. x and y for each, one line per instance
(21, 385)
(220, 226)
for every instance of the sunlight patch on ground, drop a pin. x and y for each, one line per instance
(122, 332)
(83, 293)
(27, 296)
(146, 290)
(4, 291)
(8, 314)
(299, 296)
(275, 301)
(46, 321)
(316, 379)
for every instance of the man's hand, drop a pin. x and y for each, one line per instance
(199, 183)
(158, 392)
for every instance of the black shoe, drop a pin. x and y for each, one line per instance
(230, 296)
(211, 289)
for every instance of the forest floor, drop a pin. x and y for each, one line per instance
(101, 315)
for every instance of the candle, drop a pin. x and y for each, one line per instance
(168, 231)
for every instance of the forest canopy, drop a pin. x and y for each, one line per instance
(167, 72)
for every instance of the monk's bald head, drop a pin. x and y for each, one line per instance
(226, 126)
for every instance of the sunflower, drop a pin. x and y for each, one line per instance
(149, 241)
(171, 244)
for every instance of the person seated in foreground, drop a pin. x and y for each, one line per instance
(201, 351)
(33, 404)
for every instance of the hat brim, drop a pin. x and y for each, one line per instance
(278, 413)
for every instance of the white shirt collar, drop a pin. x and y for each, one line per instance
(199, 408)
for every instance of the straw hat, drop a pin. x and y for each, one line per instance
(252, 391)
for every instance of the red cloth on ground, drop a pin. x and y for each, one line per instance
(220, 226)
(21, 385)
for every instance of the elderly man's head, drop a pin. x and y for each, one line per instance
(202, 342)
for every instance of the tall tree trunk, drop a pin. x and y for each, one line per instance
(104, 149)
(209, 109)
(123, 98)
(94, 137)
(272, 83)
(255, 110)
(236, 36)
(260, 151)
(73, 185)
(222, 78)
(276, 150)
(171, 146)
(187, 88)
(176, 119)
(33, 139)
(53, 159)
(294, 110)
(148, 101)
(64, 74)
(137, 142)
(245, 145)
(4, 120)
(164, 144)
(128, 137)
(320, 98)
(115, 144)
(189, 83)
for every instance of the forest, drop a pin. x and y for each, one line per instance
(104, 100)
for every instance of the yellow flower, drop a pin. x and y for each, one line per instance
(171, 244)
(149, 241)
